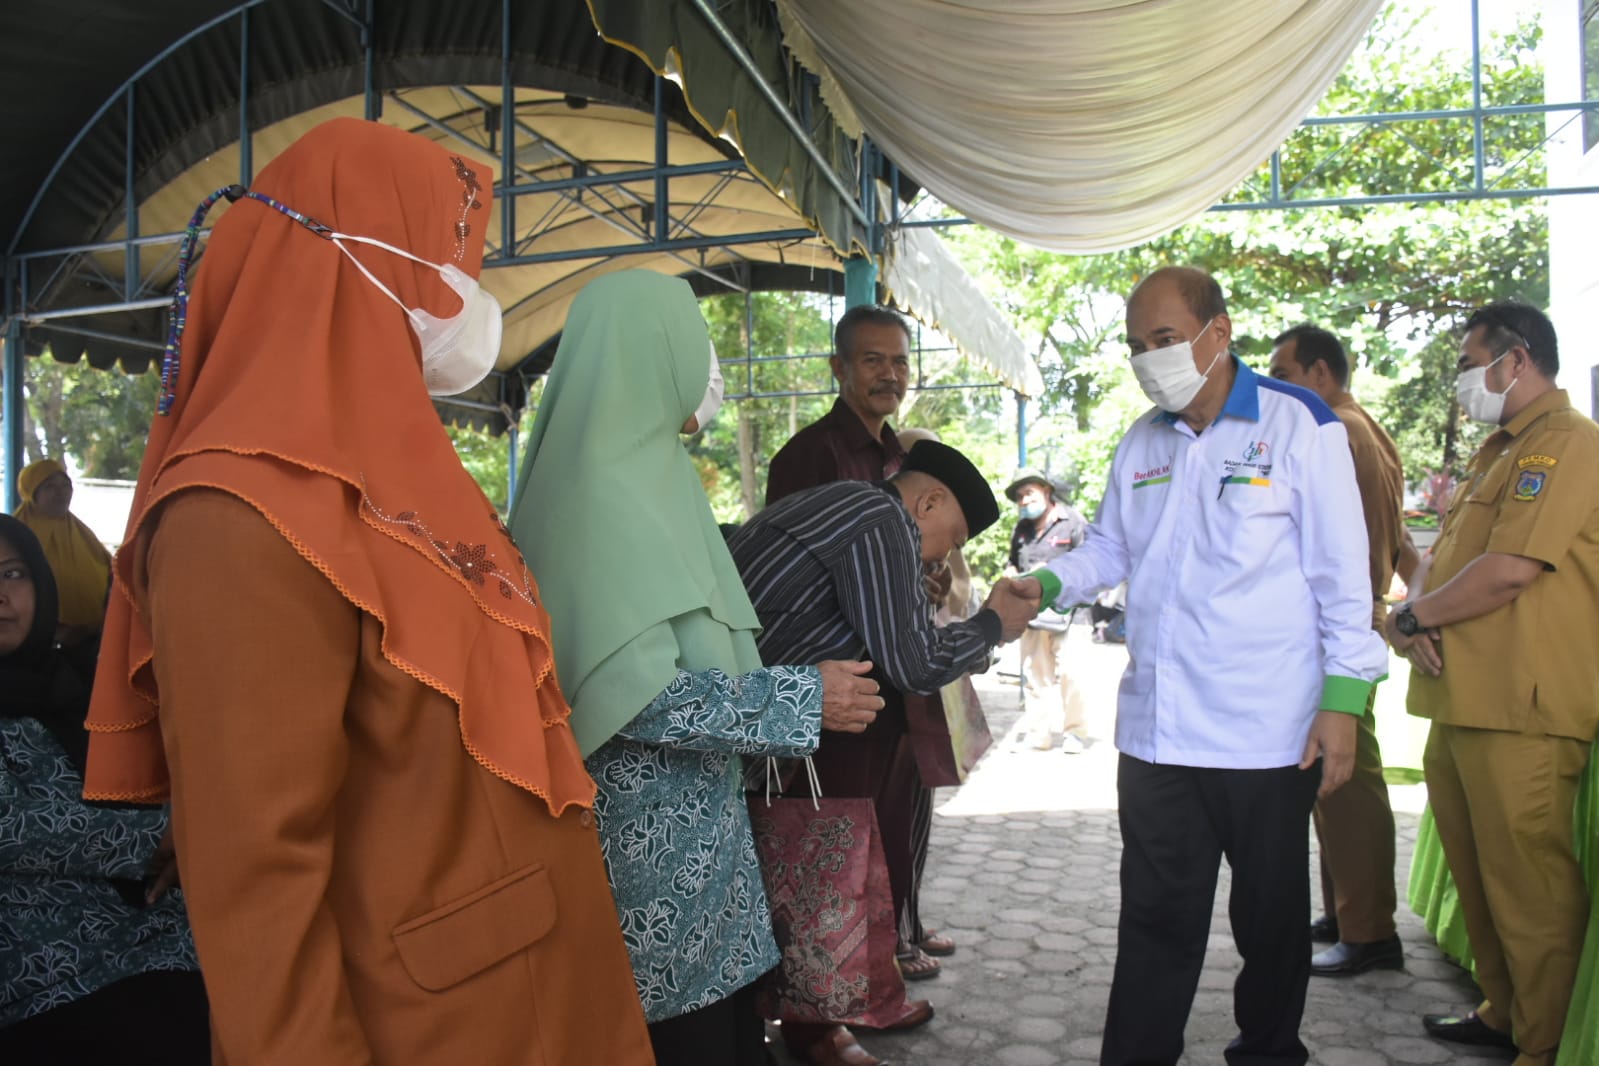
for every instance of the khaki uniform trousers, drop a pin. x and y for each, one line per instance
(1051, 702)
(1504, 803)
(1355, 827)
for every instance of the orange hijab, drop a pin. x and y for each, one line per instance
(301, 393)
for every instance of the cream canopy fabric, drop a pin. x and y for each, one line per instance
(928, 281)
(1076, 125)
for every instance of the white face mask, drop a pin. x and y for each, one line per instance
(714, 388)
(457, 352)
(1168, 375)
(1479, 402)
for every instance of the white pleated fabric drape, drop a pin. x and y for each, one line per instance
(1076, 125)
(924, 278)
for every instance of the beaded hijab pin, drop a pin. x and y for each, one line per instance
(171, 360)
(179, 318)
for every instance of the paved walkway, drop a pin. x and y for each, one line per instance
(1023, 874)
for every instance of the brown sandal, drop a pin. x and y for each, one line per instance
(916, 964)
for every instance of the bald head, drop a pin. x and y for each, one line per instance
(1172, 305)
(1177, 306)
(1197, 289)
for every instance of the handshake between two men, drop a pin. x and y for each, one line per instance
(851, 700)
(1017, 601)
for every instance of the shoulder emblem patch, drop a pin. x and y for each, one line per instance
(1536, 460)
(1529, 485)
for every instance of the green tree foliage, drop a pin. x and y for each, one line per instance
(789, 335)
(488, 460)
(789, 384)
(100, 418)
(1394, 280)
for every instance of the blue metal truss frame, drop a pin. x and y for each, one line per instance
(661, 231)
(656, 233)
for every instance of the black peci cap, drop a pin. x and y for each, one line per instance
(957, 473)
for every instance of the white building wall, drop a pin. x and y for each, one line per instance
(1573, 220)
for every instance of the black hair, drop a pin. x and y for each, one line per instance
(1312, 343)
(1507, 323)
(862, 315)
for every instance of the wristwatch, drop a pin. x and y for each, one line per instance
(1405, 621)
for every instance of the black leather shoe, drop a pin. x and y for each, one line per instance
(1346, 960)
(1466, 1029)
(1324, 930)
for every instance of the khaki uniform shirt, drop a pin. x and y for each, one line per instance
(1381, 478)
(1531, 666)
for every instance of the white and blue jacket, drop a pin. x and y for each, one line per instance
(1249, 594)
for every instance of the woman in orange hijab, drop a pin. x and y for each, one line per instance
(79, 562)
(323, 647)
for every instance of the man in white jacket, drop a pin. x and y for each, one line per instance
(1232, 512)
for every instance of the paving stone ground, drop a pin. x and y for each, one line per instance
(1023, 874)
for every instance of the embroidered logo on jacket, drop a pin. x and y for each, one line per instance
(1536, 460)
(1252, 469)
(1155, 476)
(1529, 485)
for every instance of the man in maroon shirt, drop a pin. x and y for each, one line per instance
(852, 442)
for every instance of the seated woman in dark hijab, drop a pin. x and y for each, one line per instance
(94, 966)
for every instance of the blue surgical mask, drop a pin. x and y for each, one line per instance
(1035, 509)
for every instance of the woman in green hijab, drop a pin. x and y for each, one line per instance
(655, 650)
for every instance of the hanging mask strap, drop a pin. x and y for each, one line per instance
(178, 319)
(339, 239)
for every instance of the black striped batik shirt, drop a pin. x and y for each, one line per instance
(835, 572)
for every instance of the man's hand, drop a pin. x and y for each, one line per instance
(849, 699)
(1332, 739)
(1016, 603)
(1030, 587)
(936, 579)
(1421, 649)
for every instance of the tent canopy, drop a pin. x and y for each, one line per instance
(714, 184)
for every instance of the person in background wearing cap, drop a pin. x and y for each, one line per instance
(1232, 511)
(835, 572)
(1050, 702)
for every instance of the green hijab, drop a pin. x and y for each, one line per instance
(611, 515)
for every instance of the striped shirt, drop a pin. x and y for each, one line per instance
(835, 572)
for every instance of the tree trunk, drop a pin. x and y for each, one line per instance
(748, 438)
(46, 404)
(746, 461)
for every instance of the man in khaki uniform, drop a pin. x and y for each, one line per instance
(1355, 825)
(1503, 640)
